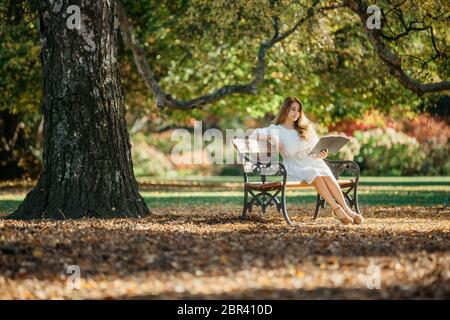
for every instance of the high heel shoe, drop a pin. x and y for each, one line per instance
(356, 217)
(342, 217)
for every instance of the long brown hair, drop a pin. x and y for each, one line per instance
(300, 125)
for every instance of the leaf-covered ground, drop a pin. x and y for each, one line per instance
(207, 252)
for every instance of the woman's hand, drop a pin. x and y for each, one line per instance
(323, 154)
(276, 141)
(281, 148)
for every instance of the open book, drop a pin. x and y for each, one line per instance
(332, 143)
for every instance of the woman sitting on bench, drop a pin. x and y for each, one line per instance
(294, 136)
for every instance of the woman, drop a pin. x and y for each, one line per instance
(294, 136)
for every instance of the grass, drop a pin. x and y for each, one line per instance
(374, 191)
(367, 181)
(367, 198)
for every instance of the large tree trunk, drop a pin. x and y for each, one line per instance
(87, 167)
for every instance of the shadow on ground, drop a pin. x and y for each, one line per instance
(209, 252)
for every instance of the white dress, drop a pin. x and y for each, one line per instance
(299, 166)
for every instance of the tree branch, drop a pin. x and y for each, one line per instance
(164, 99)
(390, 59)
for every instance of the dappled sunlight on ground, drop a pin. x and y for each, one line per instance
(207, 252)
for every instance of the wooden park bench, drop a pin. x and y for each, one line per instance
(258, 162)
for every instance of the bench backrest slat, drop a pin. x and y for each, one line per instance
(252, 146)
(252, 151)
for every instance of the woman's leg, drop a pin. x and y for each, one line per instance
(335, 190)
(322, 188)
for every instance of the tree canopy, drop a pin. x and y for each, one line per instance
(196, 47)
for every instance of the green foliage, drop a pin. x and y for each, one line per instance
(425, 57)
(200, 46)
(386, 151)
(437, 161)
(21, 74)
(348, 152)
(195, 47)
(148, 160)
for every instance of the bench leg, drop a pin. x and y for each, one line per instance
(245, 208)
(283, 207)
(355, 199)
(319, 203)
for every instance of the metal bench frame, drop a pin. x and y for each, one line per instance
(276, 195)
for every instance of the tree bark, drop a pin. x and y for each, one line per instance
(87, 166)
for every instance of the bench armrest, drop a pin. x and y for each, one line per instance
(340, 166)
(264, 170)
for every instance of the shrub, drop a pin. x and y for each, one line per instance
(386, 151)
(425, 128)
(437, 161)
(349, 151)
(147, 160)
